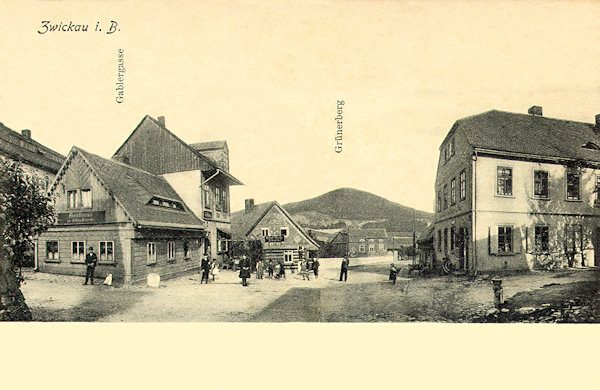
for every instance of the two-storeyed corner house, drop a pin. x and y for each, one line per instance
(518, 191)
(282, 238)
(154, 208)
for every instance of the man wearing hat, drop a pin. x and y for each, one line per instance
(90, 260)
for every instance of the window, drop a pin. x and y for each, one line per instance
(452, 238)
(371, 247)
(170, 250)
(451, 148)
(265, 232)
(186, 250)
(542, 239)
(52, 250)
(222, 246)
(463, 185)
(573, 177)
(288, 256)
(505, 242)
(504, 181)
(439, 240)
(218, 198)
(361, 248)
(453, 191)
(445, 196)
(573, 237)
(79, 199)
(284, 231)
(107, 251)
(207, 204)
(151, 253)
(381, 247)
(78, 251)
(446, 240)
(439, 200)
(540, 184)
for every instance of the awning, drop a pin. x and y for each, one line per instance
(225, 176)
(223, 233)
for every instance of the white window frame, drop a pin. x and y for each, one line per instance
(501, 250)
(361, 248)
(512, 180)
(547, 184)
(171, 250)
(381, 247)
(536, 249)
(151, 254)
(579, 174)
(265, 232)
(74, 258)
(371, 247)
(78, 198)
(222, 246)
(462, 185)
(112, 245)
(284, 229)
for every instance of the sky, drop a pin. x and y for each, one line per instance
(266, 77)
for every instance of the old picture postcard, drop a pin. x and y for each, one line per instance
(278, 194)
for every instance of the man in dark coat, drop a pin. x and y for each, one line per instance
(315, 267)
(244, 270)
(205, 268)
(91, 260)
(344, 270)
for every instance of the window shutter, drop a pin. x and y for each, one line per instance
(529, 239)
(517, 244)
(493, 239)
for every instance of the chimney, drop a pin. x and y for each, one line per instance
(535, 110)
(161, 120)
(249, 203)
(597, 127)
(26, 133)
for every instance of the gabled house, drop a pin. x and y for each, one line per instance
(135, 221)
(399, 242)
(360, 242)
(37, 160)
(198, 172)
(282, 238)
(518, 191)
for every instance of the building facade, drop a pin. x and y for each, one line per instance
(360, 242)
(282, 238)
(134, 220)
(518, 191)
(199, 173)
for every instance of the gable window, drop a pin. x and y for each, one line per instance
(265, 232)
(107, 251)
(445, 196)
(151, 253)
(542, 239)
(540, 184)
(170, 250)
(79, 198)
(284, 231)
(505, 241)
(52, 250)
(78, 251)
(453, 191)
(186, 250)
(573, 178)
(504, 181)
(463, 185)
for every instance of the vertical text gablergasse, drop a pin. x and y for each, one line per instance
(340, 126)
(120, 84)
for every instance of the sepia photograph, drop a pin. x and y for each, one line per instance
(417, 169)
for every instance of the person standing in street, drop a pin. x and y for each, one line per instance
(91, 260)
(214, 269)
(315, 267)
(260, 269)
(244, 270)
(270, 269)
(344, 270)
(393, 273)
(205, 269)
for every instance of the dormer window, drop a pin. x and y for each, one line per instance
(590, 145)
(166, 203)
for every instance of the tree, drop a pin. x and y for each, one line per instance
(26, 209)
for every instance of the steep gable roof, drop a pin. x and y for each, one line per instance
(24, 149)
(242, 222)
(357, 234)
(133, 189)
(530, 135)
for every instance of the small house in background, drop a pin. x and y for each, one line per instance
(399, 244)
(135, 221)
(37, 160)
(360, 242)
(282, 238)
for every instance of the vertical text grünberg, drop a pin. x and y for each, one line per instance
(340, 127)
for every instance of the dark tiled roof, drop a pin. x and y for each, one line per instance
(529, 134)
(242, 222)
(356, 234)
(26, 150)
(134, 188)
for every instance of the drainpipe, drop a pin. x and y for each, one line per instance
(474, 212)
(215, 174)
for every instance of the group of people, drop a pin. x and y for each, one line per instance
(208, 268)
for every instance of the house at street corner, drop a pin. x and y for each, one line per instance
(199, 173)
(36, 159)
(360, 242)
(518, 191)
(282, 238)
(135, 221)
